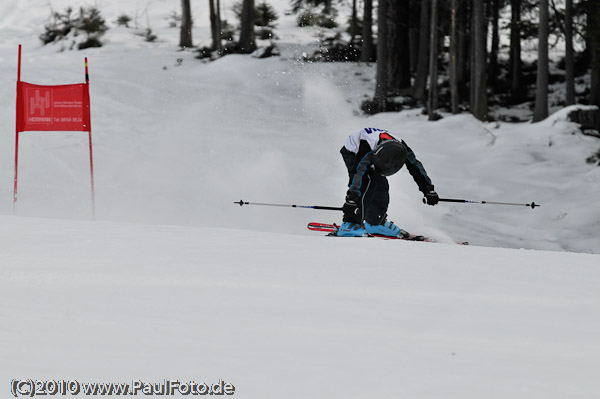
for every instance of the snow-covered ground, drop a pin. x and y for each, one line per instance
(177, 141)
(297, 316)
(172, 280)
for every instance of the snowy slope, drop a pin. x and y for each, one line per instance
(173, 280)
(178, 141)
(290, 316)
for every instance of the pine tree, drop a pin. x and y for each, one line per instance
(516, 64)
(413, 33)
(185, 37)
(540, 111)
(478, 58)
(432, 99)
(213, 23)
(382, 81)
(366, 53)
(398, 44)
(353, 22)
(219, 29)
(593, 31)
(493, 68)
(463, 44)
(246, 43)
(420, 85)
(454, 55)
(569, 67)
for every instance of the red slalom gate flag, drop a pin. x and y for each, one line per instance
(53, 108)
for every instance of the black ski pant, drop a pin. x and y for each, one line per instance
(374, 191)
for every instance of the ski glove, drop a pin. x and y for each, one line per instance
(431, 196)
(351, 208)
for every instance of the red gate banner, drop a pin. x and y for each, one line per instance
(53, 108)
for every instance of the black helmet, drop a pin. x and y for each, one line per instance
(388, 157)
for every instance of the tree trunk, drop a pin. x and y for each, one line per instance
(420, 86)
(432, 99)
(213, 23)
(366, 52)
(540, 111)
(478, 75)
(569, 65)
(382, 82)
(517, 89)
(246, 43)
(463, 53)
(405, 81)
(493, 69)
(454, 55)
(594, 41)
(569, 71)
(353, 22)
(472, 77)
(185, 36)
(219, 30)
(413, 34)
(595, 78)
(398, 43)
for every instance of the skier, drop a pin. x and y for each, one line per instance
(371, 155)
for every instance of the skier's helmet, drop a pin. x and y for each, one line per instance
(389, 157)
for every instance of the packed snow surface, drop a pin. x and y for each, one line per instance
(170, 280)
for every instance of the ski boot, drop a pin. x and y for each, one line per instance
(386, 228)
(348, 229)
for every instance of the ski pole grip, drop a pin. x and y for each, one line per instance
(452, 200)
(447, 200)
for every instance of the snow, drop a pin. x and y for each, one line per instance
(296, 315)
(172, 280)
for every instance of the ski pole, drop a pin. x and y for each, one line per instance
(532, 205)
(326, 208)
